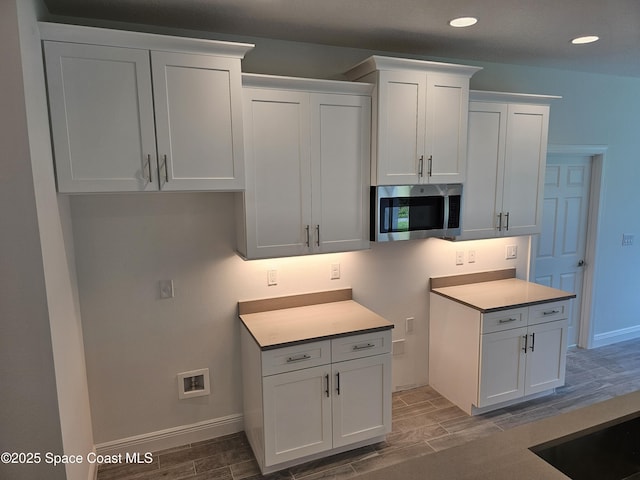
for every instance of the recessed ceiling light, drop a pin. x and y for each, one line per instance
(585, 39)
(463, 22)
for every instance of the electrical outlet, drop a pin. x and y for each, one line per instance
(272, 277)
(511, 252)
(166, 288)
(335, 271)
(627, 239)
(472, 256)
(194, 383)
(397, 347)
(459, 258)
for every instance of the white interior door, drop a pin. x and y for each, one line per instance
(561, 246)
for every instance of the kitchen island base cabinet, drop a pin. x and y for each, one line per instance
(315, 399)
(483, 361)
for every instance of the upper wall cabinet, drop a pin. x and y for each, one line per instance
(139, 112)
(507, 151)
(307, 145)
(420, 112)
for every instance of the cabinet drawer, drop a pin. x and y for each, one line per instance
(296, 357)
(548, 312)
(363, 345)
(504, 320)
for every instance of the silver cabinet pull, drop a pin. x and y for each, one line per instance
(149, 168)
(298, 358)
(306, 229)
(500, 222)
(430, 172)
(550, 312)
(166, 169)
(507, 320)
(507, 225)
(363, 347)
(318, 235)
(420, 165)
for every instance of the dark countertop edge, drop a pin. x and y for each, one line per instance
(508, 307)
(318, 339)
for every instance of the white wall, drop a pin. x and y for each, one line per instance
(135, 343)
(28, 398)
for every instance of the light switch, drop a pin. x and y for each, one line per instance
(511, 252)
(166, 288)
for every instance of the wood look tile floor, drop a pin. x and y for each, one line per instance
(423, 422)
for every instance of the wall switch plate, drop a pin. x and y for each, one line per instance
(472, 256)
(272, 277)
(511, 252)
(397, 347)
(459, 258)
(408, 323)
(166, 288)
(194, 383)
(335, 271)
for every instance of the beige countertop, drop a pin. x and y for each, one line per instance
(506, 455)
(489, 296)
(289, 326)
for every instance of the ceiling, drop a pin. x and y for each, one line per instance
(527, 32)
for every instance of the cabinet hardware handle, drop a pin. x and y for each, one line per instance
(166, 169)
(430, 165)
(526, 340)
(500, 222)
(533, 341)
(507, 225)
(306, 229)
(326, 377)
(420, 165)
(149, 167)
(298, 358)
(338, 383)
(507, 320)
(550, 312)
(318, 235)
(363, 347)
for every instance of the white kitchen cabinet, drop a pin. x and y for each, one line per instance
(506, 158)
(420, 118)
(307, 146)
(482, 361)
(315, 399)
(126, 117)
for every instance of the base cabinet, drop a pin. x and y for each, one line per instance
(507, 356)
(316, 399)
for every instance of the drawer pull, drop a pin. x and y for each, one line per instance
(298, 358)
(363, 347)
(551, 312)
(533, 341)
(526, 341)
(326, 377)
(507, 320)
(338, 383)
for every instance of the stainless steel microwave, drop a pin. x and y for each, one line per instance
(405, 212)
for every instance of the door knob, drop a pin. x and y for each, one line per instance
(581, 263)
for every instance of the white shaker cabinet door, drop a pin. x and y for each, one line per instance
(502, 366)
(546, 356)
(297, 414)
(277, 198)
(198, 111)
(526, 151)
(101, 109)
(340, 146)
(361, 399)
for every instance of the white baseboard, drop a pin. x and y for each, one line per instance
(615, 336)
(174, 437)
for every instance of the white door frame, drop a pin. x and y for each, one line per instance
(596, 204)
